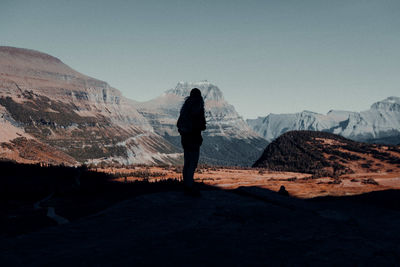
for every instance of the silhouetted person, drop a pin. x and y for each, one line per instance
(190, 124)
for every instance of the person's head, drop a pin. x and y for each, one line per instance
(195, 93)
(194, 100)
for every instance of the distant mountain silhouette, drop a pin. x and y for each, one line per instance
(322, 153)
(379, 124)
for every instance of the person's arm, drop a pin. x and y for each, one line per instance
(203, 122)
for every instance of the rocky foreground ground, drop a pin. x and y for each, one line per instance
(246, 226)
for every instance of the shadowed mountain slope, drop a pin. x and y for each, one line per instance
(322, 153)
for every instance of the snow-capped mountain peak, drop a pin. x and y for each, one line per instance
(391, 103)
(208, 90)
(381, 123)
(226, 129)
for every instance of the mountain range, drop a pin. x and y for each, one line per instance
(379, 124)
(52, 113)
(85, 120)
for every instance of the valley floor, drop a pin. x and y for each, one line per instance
(297, 184)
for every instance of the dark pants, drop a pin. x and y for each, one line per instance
(191, 158)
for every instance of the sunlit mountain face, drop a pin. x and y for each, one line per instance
(84, 119)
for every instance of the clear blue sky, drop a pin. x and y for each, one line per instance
(266, 56)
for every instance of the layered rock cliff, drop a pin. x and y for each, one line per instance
(83, 117)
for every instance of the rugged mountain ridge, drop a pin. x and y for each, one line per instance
(227, 141)
(43, 99)
(379, 124)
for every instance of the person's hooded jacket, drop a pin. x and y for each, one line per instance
(192, 121)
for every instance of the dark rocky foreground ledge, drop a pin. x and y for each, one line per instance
(248, 226)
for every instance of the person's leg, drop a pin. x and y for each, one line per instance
(191, 158)
(187, 181)
(194, 159)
